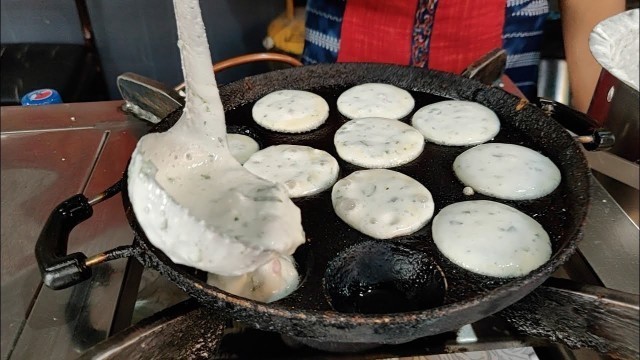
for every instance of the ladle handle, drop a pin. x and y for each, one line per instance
(58, 269)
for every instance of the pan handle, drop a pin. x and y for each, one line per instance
(586, 129)
(59, 270)
(489, 68)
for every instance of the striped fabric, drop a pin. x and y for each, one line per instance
(522, 38)
(519, 31)
(323, 26)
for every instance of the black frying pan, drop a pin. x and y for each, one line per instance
(333, 247)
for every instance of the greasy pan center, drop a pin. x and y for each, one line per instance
(308, 312)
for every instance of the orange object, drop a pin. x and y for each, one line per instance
(286, 32)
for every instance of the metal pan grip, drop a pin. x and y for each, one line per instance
(586, 129)
(59, 270)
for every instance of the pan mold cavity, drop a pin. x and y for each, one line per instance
(380, 278)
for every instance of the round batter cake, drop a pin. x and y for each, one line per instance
(302, 170)
(456, 123)
(378, 142)
(382, 203)
(290, 111)
(375, 100)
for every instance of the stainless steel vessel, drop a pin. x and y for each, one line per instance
(616, 100)
(615, 106)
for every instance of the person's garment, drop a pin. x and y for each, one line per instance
(445, 35)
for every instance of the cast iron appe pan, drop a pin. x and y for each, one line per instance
(307, 313)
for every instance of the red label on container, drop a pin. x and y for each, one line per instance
(41, 95)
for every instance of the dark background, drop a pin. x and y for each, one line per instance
(140, 35)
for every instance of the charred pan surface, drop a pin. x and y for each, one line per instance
(307, 313)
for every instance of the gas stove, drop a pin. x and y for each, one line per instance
(50, 153)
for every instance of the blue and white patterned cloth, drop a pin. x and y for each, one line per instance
(522, 39)
(322, 35)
